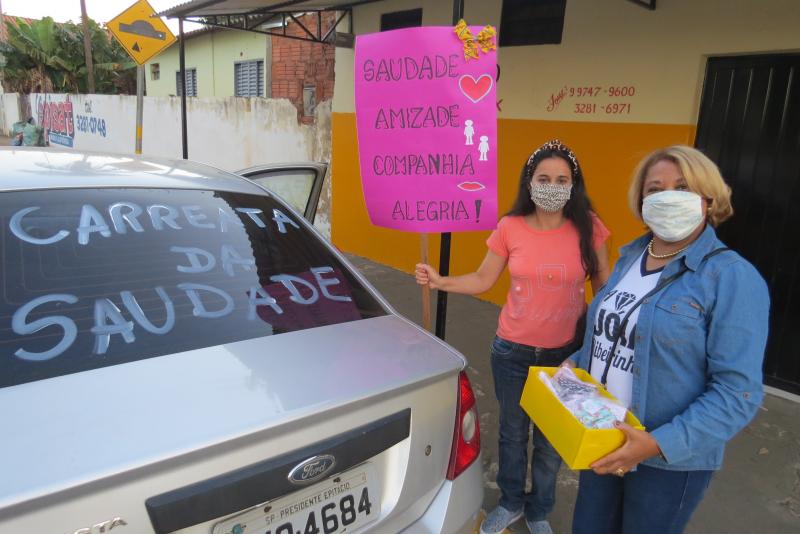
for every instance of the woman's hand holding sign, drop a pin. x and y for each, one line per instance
(427, 275)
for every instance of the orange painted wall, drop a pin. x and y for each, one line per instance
(607, 152)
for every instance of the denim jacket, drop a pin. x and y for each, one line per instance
(699, 348)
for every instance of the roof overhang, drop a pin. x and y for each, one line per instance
(255, 15)
(264, 16)
(211, 8)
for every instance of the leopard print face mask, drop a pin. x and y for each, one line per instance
(550, 197)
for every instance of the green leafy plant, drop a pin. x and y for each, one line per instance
(45, 56)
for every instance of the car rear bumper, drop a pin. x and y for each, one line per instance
(456, 508)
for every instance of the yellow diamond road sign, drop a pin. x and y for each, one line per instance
(141, 33)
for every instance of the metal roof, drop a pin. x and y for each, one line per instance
(205, 8)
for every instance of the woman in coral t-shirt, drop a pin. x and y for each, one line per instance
(552, 242)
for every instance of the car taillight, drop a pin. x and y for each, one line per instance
(467, 434)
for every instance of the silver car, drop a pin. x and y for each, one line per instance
(180, 351)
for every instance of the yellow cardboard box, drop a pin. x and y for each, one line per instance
(578, 446)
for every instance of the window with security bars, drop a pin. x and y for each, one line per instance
(191, 82)
(248, 78)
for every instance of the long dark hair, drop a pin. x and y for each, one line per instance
(578, 208)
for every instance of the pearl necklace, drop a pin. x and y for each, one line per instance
(663, 256)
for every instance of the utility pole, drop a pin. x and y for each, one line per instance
(87, 47)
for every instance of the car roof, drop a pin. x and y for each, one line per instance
(49, 168)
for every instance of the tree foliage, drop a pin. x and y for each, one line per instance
(45, 56)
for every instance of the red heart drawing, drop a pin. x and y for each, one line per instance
(474, 89)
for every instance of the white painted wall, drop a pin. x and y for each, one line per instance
(229, 133)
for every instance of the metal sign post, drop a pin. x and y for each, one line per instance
(444, 246)
(182, 66)
(139, 106)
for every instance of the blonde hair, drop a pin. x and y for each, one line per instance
(701, 174)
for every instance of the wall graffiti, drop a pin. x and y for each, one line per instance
(71, 120)
(54, 113)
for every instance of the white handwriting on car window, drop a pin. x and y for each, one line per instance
(20, 326)
(208, 302)
(124, 215)
(112, 321)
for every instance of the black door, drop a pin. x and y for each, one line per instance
(749, 125)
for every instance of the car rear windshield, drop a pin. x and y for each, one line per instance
(99, 277)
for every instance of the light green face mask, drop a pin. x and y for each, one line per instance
(672, 215)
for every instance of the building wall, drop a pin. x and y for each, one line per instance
(289, 64)
(9, 112)
(613, 45)
(213, 54)
(298, 64)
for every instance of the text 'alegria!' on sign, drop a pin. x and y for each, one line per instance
(427, 131)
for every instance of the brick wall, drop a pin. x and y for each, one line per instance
(298, 64)
(12, 19)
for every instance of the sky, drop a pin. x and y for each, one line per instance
(100, 10)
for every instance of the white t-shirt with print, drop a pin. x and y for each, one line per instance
(612, 310)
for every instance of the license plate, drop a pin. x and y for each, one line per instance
(344, 503)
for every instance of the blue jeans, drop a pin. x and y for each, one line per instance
(651, 500)
(510, 363)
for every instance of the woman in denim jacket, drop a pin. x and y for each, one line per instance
(694, 379)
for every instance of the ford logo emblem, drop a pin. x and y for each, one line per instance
(312, 469)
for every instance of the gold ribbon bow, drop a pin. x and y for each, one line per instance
(485, 39)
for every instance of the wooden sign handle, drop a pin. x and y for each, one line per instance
(426, 290)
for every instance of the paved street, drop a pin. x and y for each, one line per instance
(758, 490)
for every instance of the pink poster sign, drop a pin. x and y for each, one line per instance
(427, 131)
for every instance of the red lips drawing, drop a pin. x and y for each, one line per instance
(471, 186)
(474, 89)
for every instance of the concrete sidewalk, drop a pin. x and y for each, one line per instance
(758, 489)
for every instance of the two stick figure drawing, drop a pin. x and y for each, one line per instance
(483, 146)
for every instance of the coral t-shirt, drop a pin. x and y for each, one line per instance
(546, 297)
